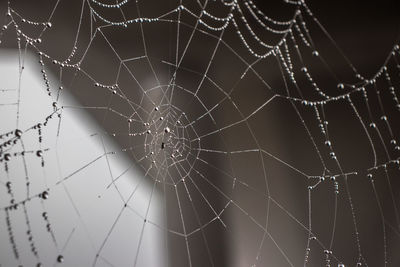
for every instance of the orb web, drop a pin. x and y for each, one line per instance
(192, 133)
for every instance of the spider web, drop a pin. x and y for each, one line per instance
(205, 133)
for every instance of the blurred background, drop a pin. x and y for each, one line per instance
(169, 143)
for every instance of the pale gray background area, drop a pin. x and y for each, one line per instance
(94, 208)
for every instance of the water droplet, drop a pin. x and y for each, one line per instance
(315, 53)
(49, 24)
(60, 258)
(39, 153)
(340, 86)
(328, 143)
(45, 195)
(7, 157)
(167, 130)
(18, 133)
